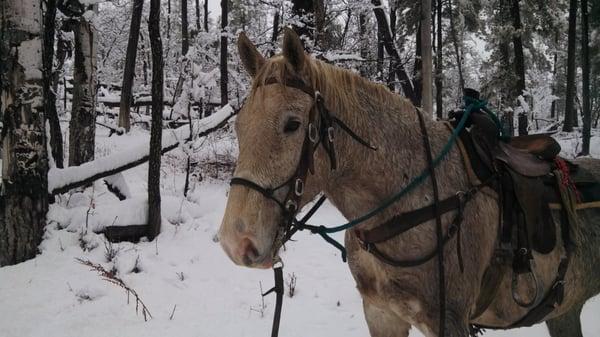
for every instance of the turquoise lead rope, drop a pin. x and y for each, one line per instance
(472, 105)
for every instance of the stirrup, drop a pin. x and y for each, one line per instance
(538, 289)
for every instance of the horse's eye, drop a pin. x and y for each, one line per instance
(291, 126)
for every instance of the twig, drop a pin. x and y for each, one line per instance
(112, 278)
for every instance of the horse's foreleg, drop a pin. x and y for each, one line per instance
(566, 325)
(384, 323)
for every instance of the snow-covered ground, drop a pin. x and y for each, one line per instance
(184, 278)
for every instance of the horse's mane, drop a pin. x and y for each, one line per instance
(339, 86)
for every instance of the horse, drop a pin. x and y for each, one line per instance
(271, 128)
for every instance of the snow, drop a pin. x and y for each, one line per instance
(62, 177)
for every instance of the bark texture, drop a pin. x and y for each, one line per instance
(24, 202)
(439, 109)
(570, 110)
(223, 66)
(154, 211)
(129, 71)
(426, 56)
(82, 127)
(585, 69)
(49, 94)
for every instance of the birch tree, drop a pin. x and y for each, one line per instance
(82, 126)
(24, 157)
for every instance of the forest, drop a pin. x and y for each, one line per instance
(118, 138)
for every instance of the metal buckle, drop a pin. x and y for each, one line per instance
(299, 187)
(313, 133)
(291, 205)
(330, 133)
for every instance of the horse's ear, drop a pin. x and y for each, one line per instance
(292, 49)
(251, 57)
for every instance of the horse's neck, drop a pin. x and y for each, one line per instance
(365, 178)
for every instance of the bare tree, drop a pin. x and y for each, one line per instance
(224, 73)
(427, 102)
(457, 49)
(50, 94)
(185, 37)
(198, 26)
(154, 210)
(570, 111)
(388, 43)
(206, 15)
(519, 62)
(82, 126)
(438, 62)
(24, 157)
(585, 57)
(129, 71)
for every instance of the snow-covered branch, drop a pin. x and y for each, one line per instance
(63, 180)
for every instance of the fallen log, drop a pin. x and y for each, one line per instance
(63, 180)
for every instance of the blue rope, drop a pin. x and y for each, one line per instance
(472, 105)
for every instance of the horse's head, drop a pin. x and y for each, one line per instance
(272, 130)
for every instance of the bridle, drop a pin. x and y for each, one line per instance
(319, 131)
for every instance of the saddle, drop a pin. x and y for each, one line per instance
(521, 165)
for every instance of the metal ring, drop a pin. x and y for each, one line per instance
(299, 187)
(291, 206)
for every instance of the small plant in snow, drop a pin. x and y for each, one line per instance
(110, 251)
(136, 266)
(291, 284)
(262, 306)
(111, 277)
(180, 276)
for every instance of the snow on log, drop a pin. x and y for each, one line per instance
(63, 180)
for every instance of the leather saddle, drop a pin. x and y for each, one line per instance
(521, 165)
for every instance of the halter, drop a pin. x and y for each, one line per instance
(320, 131)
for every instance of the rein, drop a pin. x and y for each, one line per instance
(320, 131)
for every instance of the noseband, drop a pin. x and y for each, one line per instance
(320, 131)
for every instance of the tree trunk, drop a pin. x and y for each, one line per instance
(304, 10)
(198, 25)
(392, 71)
(362, 31)
(223, 65)
(168, 21)
(24, 203)
(82, 127)
(418, 68)
(388, 43)
(439, 109)
(185, 39)
(154, 210)
(518, 45)
(570, 114)
(457, 49)
(585, 70)
(49, 94)
(554, 74)
(129, 71)
(426, 55)
(275, 32)
(380, 55)
(321, 39)
(206, 15)
(519, 63)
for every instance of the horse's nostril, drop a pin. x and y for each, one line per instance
(249, 252)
